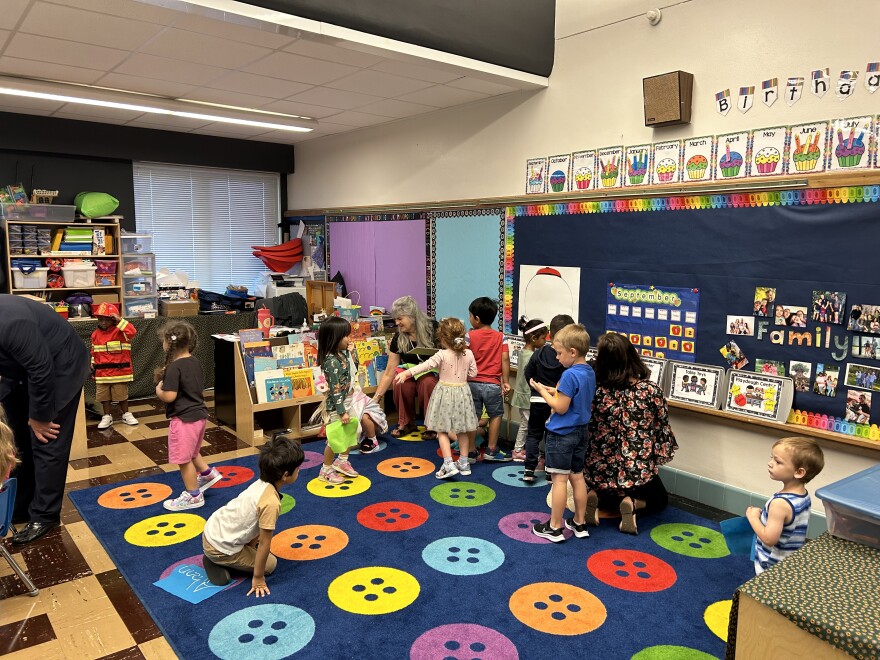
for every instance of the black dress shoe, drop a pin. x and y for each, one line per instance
(32, 531)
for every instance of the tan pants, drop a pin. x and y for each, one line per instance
(243, 561)
(111, 392)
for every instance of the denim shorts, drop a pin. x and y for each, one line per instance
(489, 395)
(565, 454)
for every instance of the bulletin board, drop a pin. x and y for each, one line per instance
(380, 259)
(726, 246)
(464, 264)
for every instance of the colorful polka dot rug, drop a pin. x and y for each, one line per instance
(395, 563)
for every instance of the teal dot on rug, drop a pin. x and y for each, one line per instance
(690, 540)
(287, 503)
(671, 653)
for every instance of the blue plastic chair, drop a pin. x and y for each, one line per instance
(7, 501)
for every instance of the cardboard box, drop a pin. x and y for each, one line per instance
(98, 298)
(178, 308)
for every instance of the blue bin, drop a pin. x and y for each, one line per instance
(852, 507)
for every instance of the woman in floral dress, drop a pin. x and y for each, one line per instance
(629, 434)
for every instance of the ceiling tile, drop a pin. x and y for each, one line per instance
(395, 108)
(35, 69)
(415, 71)
(145, 85)
(141, 11)
(442, 96)
(223, 97)
(249, 83)
(44, 49)
(325, 51)
(481, 86)
(300, 69)
(159, 127)
(204, 49)
(87, 27)
(12, 12)
(329, 129)
(334, 98)
(98, 113)
(283, 137)
(4, 35)
(376, 82)
(23, 111)
(162, 68)
(350, 118)
(301, 109)
(232, 31)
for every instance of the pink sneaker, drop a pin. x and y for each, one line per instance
(344, 467)
(540, 467)
(519, 455)
(330, 475)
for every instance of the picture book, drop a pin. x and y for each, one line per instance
(320, 380)
(264, 364)
(254, 350)
(310, 353)
(292, 352)
(260, 381)
(300, 337)
(278, 389)
(359, 331)
(367, 350)
(303, 381)
(250, 336)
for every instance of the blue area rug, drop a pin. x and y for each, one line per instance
(398, 564)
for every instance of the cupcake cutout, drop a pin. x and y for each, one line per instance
(696, 167)
(807, 154)
(767, 160)
(583, 177)
(557, 181)
(666, 170)
(849, 151)
(731, 163)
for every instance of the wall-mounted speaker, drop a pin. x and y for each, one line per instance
(668, 98)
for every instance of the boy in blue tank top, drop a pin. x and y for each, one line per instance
(781, 526)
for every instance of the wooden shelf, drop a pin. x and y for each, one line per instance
(65, 288)
(782, 427)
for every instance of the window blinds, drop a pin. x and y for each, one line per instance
(205, 220)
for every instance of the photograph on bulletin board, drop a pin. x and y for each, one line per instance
(867, 348)
(732, 154)
(536, 176)
(850, 142)
(666, 159)
(808, 148)
(559, 168)
(583, 168)
(864, 318)
(659, 321)
(610, 161)
(769, 147)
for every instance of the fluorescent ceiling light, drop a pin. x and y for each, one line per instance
(146, 103)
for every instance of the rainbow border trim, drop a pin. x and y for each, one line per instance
(801, 197)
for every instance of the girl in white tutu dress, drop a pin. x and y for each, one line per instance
(451, 409)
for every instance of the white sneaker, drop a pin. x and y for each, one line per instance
(208, 480)
(447, 470)
(464, 467)
(129, 419)
(105, 423)
(185, 501)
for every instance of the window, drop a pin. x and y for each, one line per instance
(205, 220)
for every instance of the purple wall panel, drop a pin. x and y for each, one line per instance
(400, 262)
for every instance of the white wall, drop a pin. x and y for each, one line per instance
(603, 50)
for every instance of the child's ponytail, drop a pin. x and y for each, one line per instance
(529, 328)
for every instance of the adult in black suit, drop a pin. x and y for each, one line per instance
(43, 365)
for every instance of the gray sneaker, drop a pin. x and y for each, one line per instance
(447, 470)
(464, 467)
(496, 456)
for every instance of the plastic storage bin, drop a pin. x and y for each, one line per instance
(139, 307)
(139, 265)
(852, 507)
(139, 287)
(136, 243)
(38, 212)
(77, 275)
(35, 279)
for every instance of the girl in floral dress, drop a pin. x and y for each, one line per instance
(630, 436)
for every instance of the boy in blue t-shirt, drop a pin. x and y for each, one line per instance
(571, 402)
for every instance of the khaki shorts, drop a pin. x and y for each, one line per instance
(243, 561)
(111, 392)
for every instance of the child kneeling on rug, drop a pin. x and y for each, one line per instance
(238, 535)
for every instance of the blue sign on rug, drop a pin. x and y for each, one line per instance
(189, 582)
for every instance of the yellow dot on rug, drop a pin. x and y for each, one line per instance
(167, 529)
(351, 486)
(415, 436)
(373, 590)
(717, 617)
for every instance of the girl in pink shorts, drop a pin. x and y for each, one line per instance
(181, 386)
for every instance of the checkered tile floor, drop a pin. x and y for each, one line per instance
(85, 609)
